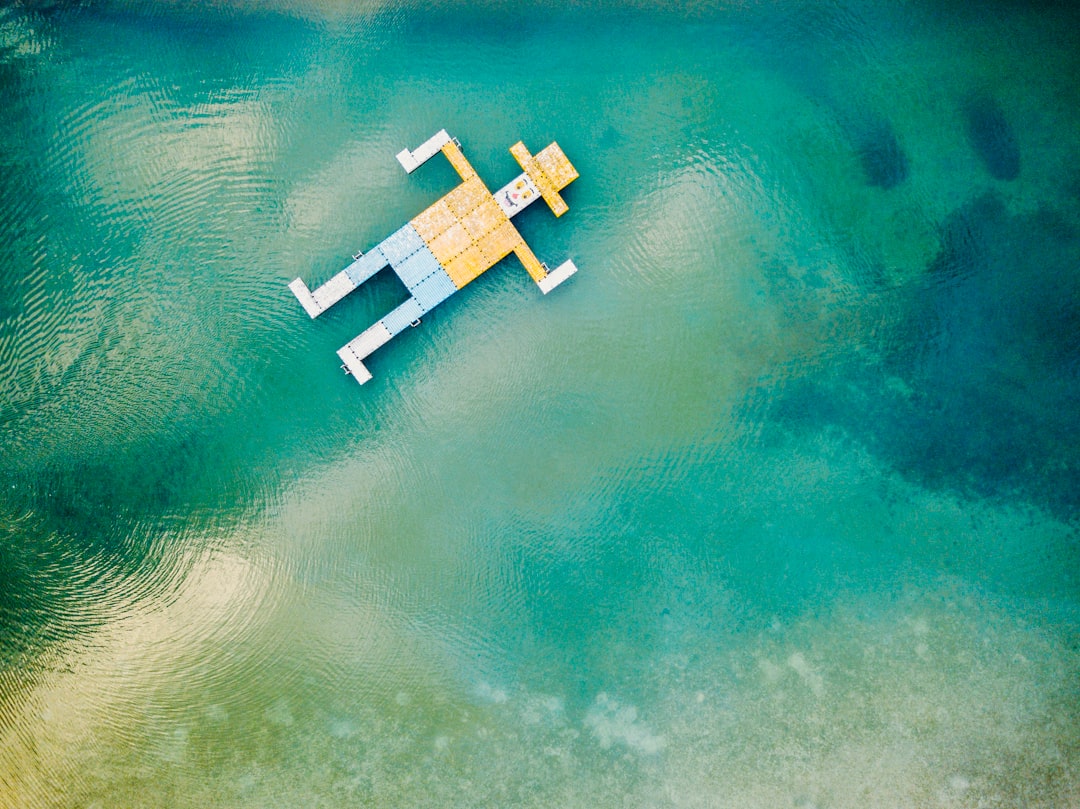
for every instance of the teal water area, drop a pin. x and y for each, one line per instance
(775, 503)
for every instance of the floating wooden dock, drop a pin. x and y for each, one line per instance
(450, 243)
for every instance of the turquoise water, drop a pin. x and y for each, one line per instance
(775, 503)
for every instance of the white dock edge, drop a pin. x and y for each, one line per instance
(412, 160)
(556, 276)
(356, 369)
(353, 352)
(333, 290)
(303, 294)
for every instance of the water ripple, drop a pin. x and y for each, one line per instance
(565, 535)
(20, 36)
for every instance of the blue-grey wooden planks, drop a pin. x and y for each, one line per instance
(401, 244)
(403, 316)
(417, 267)
(434, 289)
(366, 266)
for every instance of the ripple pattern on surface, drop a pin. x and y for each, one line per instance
(663, 537)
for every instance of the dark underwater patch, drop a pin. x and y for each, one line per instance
(979, 387)
(81, 534)
(882, 158)
(992, 137)
(806, 51)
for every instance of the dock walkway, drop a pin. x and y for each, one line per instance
(449, 244)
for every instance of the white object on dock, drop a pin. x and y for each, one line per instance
(354, 352)
(517, 195)
(412, 160)
(556, 276)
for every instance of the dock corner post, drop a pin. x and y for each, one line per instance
(307, 300)
(557, 276)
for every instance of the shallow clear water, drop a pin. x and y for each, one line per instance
(774, 504)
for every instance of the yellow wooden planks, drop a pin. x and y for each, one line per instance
(547, 190)
(532, 264)
(452, 241)
(554, 200)
(468, 232)
(500, 242)
(484, 218)
(467, 196)
(465, 266)
(556, 166)
(522, 156)
(458, 161)
(434, 220)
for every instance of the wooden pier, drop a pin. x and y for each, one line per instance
(450, 243)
